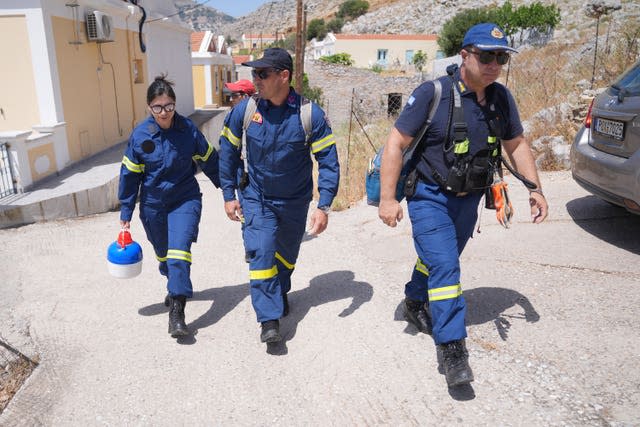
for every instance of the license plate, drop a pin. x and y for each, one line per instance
(610, 128)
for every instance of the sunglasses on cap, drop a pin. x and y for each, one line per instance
(487, 57)
(263, 73)
(157, 109)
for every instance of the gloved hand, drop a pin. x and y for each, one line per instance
(504, 210)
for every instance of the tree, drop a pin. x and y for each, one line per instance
(316, 29)
(312, 93)
(452, 33)
(512, 21)
(351, 9)
(420, 60)
(288, 43)
(335, 25)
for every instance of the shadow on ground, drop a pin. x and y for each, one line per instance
(487, 305)
(607, 222)
(322, 289)
(483, 305)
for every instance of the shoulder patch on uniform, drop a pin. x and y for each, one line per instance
(257, 117)
(411, 100)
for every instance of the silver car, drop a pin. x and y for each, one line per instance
(605, 155)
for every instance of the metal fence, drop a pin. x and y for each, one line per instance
(7, 180)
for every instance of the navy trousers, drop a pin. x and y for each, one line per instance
(442, 224)
(272, 234)
(171, 230)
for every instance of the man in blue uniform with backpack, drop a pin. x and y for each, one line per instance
(457, 160)
(271, 138)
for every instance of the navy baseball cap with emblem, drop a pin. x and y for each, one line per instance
(273, 57)
(487, 36)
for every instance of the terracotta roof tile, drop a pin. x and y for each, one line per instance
(239, 59)
(196, 40)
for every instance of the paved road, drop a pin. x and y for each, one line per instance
(552, 322)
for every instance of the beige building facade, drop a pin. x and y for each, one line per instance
(212, 67)
(387, 51)
(75, 76)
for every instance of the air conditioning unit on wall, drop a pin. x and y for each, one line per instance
(99, 27)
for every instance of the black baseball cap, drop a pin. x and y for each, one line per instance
(273, 57)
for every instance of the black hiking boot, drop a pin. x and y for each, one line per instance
(285, 303)
(270, 331)
(177, 326)
(416, 313)
(456, 363)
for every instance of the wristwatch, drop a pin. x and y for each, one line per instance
(325, 209)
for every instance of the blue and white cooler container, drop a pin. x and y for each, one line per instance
(124, 257)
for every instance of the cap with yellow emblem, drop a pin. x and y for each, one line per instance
(487, 36)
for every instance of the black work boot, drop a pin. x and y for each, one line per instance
(285, 303)
(177, 326)
(270, 331)
(456, 363)
(416, 313)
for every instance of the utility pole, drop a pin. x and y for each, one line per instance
(299, 64)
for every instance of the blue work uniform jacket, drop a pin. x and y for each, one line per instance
(160, 164)
(501, 108)
(279, 163)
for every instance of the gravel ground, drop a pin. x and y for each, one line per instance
(552, 326)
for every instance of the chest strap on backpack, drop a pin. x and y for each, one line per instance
(249, 113)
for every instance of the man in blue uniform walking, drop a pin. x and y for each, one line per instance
(443, 209)
(276, 186)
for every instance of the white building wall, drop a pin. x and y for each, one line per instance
(170, 52)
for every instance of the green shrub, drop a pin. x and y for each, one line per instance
(338, 58)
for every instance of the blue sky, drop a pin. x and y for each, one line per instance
(235, 8)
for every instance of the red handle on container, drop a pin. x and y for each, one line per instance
(124, 238)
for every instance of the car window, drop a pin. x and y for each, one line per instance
(629, 81)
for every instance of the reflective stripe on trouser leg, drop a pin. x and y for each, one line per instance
(171, 232)
(260, 228)
(442, 224)
(416, 288)
(183, 231)
(292, 221)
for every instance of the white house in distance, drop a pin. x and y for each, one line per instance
(212, 68)
(389, 51)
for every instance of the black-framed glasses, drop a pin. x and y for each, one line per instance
(487, 57)
(235, 95)
(263, 73)
(157, 109)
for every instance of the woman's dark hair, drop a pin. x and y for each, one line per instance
(160, 86)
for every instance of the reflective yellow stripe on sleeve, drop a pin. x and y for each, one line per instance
(421, 267)
(161, 258)
(226, 132)
(177, 254)
(323, 143)
(133, 167)
(263, 274)
(285, 262)
(207, 154)
(446, 292)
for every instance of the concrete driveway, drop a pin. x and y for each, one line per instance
(552, 322)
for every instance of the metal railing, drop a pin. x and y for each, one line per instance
(7, 181)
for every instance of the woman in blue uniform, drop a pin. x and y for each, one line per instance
(159, 166)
